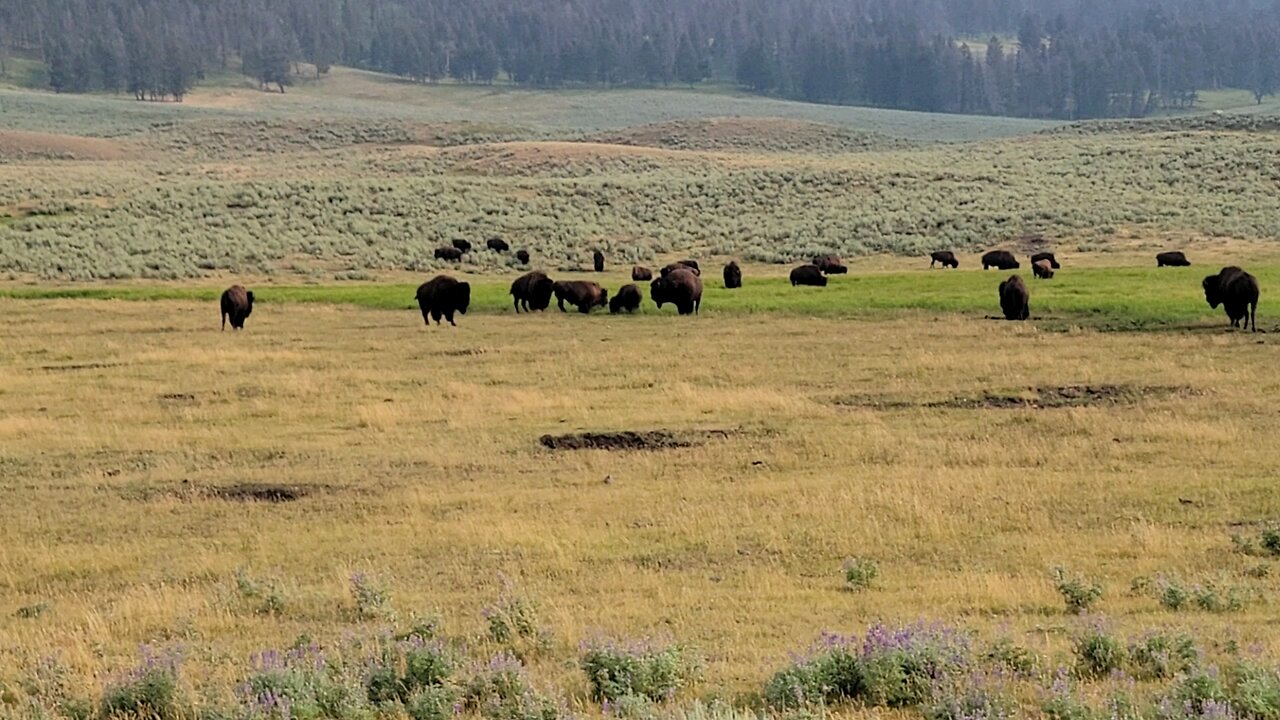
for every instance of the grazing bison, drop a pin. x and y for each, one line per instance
(1014, 299)
(462, 245)
(808, 275)
(581, 293)
(682, 288)
(830, 265)
(946, 257)
(628, 299)
(1053, 261)
(640, 273)
(1172, 259)
(732, 275)
(443, 296)
(448, 253)
(1001, 260)
(690, 265)
(497, 244)
(237, 304)
(597, 259)
(1042, 269)
(532, 291)
(1237, 292)
(522, 256)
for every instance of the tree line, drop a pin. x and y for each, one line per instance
(1032, 58)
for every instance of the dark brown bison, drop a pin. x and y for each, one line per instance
(640, 273)
(462, 245)
(732, 275)
(497, 244)
(597, 259)
(582, 294)
(522, 256)
(628, 299)
(1172, 259)
(443, 296)
(1014, 299)
(946, 257)
(808, 275)
(691, 265)
(1042, 269)
(1237, 292)
(1001, 260)
(1053, 261)
(448, 253)
(830, 265)
(682, 288)
(237, 304)
(532, 291)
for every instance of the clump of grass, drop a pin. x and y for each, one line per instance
(513, 621)
(500, 690)
(372, 599)
(264, 597)
(859, 573)
(404, 670)
(1063, 702)
(150, 690)
(638, 669)
(1161, 656)
(1267, 545)
(1098, 652)
(1077, 593)
(1214, 597)
(977, 696)
(1010, 657)
(301, 682)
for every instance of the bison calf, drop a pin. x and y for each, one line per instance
(732, 276)
(237, 304)
(628, 299)
(448, 253)
(443, 296)
(582, 294)
(1014, 299)
(1000, 259)
(1042, 270)
(532, 291)
(945, 257)
(1172, 259)
(808, 275)
(640, 273)
(1237, 292)
(681, 287)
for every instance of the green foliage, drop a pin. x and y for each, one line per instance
(859, 573)
(1160, 656)
(1078, 593)
(264, 597)
(616, 670)
(371, 597)
(1004, 653)
(1098, 653)
(500, 691)
(149, 691)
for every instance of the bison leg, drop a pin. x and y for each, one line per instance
(448, 314)
(584, 308)
(224, 322)
(515, 301)
(560, 304)
(436, 315)
(1253, 316)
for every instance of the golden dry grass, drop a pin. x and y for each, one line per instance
(420, 449)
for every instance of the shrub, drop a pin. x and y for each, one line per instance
(616, 670)
(266, 598)
(500, 691)
(405, 667)
(1199, 694)
(513, 620)
(1061, 701)
(1160, 656)
(1254, 691)
(1216, 598)
(372, 600)
(859, 573)
(1078, 594)
(432, 703)
(1098, 653)
(1172, 594)
(1009, 656)
(148, 691)
(976, 697)
(301, 683)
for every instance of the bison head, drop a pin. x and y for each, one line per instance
(462, 297)
(1212, 291)
(658, 290)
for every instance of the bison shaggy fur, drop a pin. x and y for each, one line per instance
(830, 265)
(582, 294)
(443, 296)
(497, 244)
(1053, 261)
(1001, 260)
(628, 299)
(732, 275)
(640, 273)
(462, 245)
(532, 291)
(448, 253)
(1015, 301)
(237, 304)
(945, 257)
(691, 265)
(682, 288)
(597, 259)
(522, 256)
(1042, 269)
(1172, 259)
(1237, 292)
(808, 275)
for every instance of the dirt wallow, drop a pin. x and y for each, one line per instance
(258, 492)
(1036, 398)
(632, 439)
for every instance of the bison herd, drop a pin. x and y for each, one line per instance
(680, 284)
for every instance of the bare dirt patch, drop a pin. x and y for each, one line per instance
(631, 440)
(1037, 398)
(80, 366)
(25, 145)
(253, 492)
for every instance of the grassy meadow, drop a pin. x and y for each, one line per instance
(338, 513)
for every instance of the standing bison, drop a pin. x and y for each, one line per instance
(1014, 299)
(497, 244)
(532, 291)
(732, 276)
(1046, 256)
(1042, 270)
(945, 257)
(682, 288)
(640, 273)
(597, 259)
(830, 265)
(237, 304)
(1001, 260)
(1172, 259)
(462, 245)
(690, 265)
(522, 256)
(808, 275)
(443, 296)
(628, 299)
(448, 253)
(582, 294)
(1237, 292)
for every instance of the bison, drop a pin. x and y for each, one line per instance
(808, 275)
(640, 273)
(237, 304)
(682, 265)
(1053, 261)
(443, 296)
(532, 291)
(451, 254)
(1014, 299)
(1172, 259)
(462, 245)
(628, 299)
(1042, 270)
(497, 244)
(597, 259)
(682, 288)
(946, 257)
(1001, 260)
(1237, 292)
(580, 293)
(732, 276)
(522, 256)
(830, 265)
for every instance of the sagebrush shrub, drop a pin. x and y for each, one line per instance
(1098, 653)
(150, 690)
(1077, 593)
(642, 669)
(859, 573)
